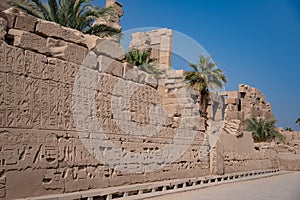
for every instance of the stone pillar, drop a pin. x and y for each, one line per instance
(216, 163)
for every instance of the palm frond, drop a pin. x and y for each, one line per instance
(263, 130)
(76, 14)
(103, 30)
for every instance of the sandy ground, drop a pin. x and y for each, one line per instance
(283, 187)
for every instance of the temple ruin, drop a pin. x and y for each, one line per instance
(50, 73)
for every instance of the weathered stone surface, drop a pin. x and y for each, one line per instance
(9, 15)
(246, 103)
(25, 23)
(233, 127)
(91, 41)
(110, 48)
(110, 66)
(19, 20)
(3, 28)
(150, 80)
(66, 51)
(51, 29)
(90, 60)
(158, 43)
(29, 41)
(131, 72)
(289, 161)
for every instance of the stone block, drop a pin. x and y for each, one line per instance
(166, 43)
(243, 88)
(10, 18)
(110, 66)
(20, 184)
(36, 65)
(131, 72)
(172, 110)
(151, 81)
(91, 41)
(91, 60)
(66, 51)
(233, 94)
(55, 30)
(116, 69)
(110, 48)
(176, 74)
(142, 76)
(25, 22)
(165, 61)
(233, 127)
(232, 101)
(235, 115)
(155, 40)
(3, 28)
(29, 41)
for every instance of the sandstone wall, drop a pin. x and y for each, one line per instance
(158, 43)
(235, 149)
(74, 117)
(236, 154)
(289, 152)
(48, 75)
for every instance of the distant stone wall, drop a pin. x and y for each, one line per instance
(235, 149)
(42, 149)
(246, 103)
(289, 152)
(158, 43)
(236, 154)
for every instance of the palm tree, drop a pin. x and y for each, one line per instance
(142, 60)
(263, 130)
(76, 14)
(298, 121)
(205, 76)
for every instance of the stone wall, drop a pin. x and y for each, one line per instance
(236, 154)
(235, 149)
(74, 117)
(48, 75)
(158, 43)
(289, 151)
(245, 103)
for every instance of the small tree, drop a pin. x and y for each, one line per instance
(142, 60)
(263, 130)
(204, 76)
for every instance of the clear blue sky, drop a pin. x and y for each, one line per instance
(256, 42)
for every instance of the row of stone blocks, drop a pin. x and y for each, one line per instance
(160, 188)
(52, 39)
